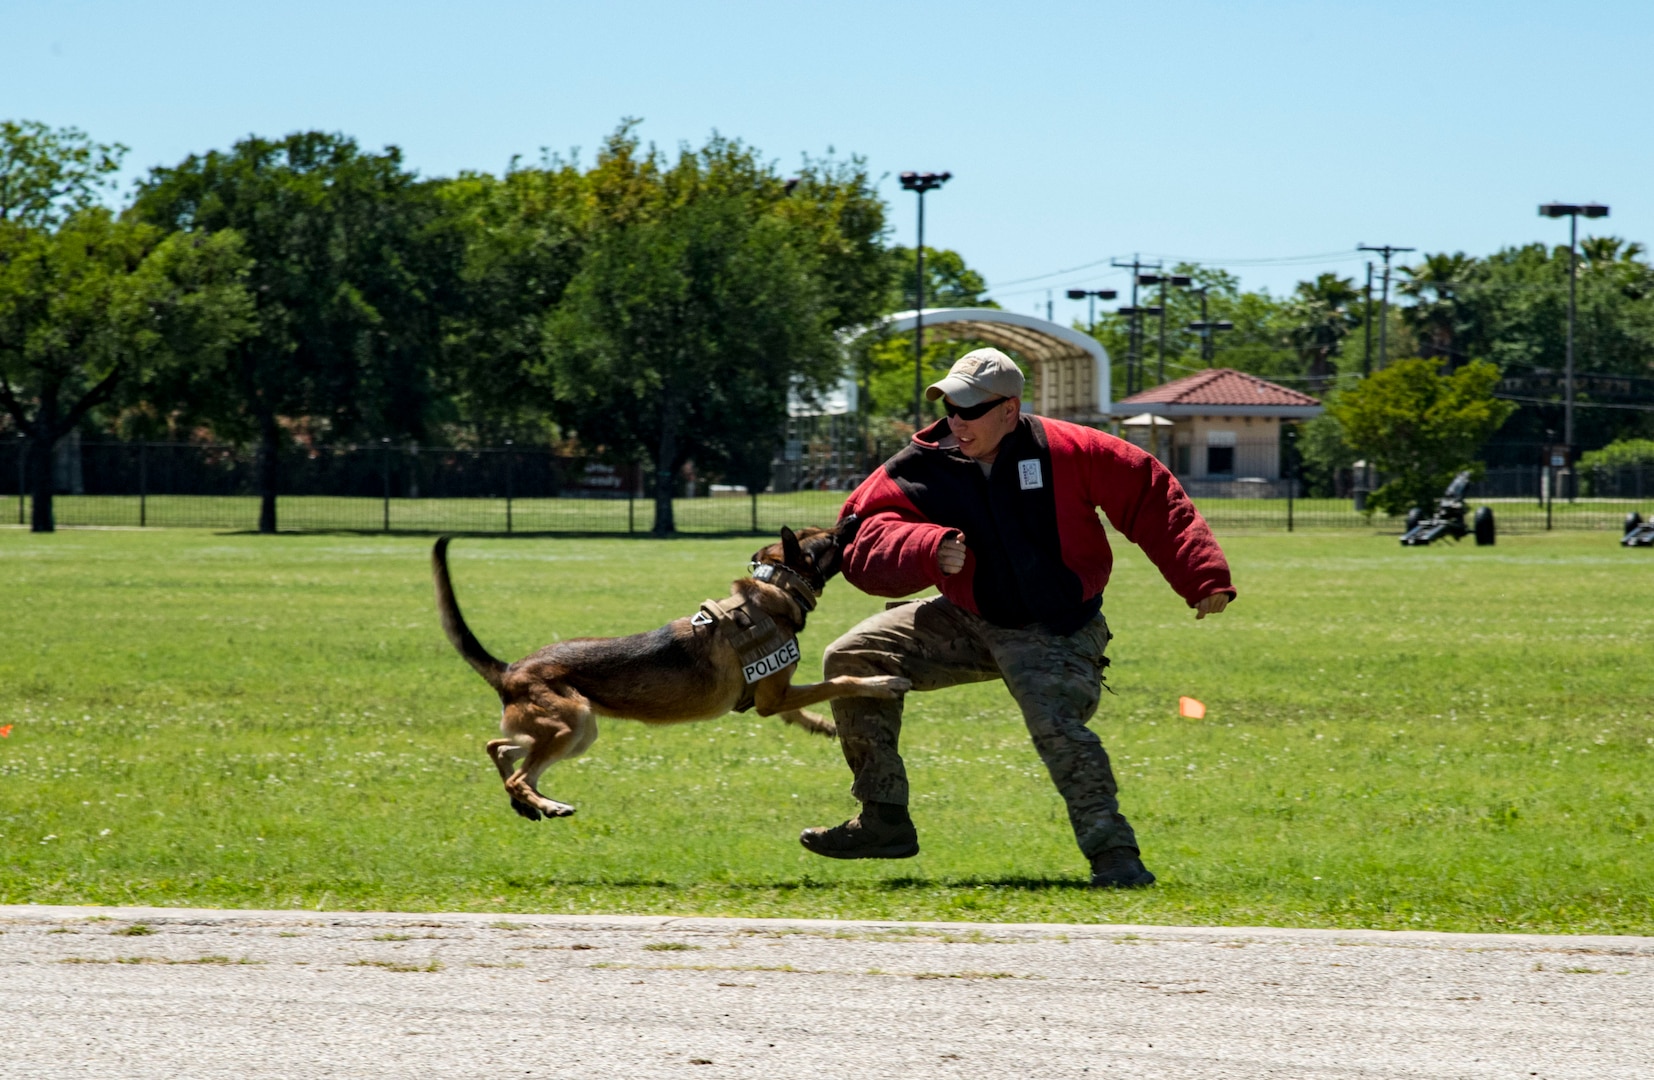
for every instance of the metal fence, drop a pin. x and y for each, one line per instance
(507, 489)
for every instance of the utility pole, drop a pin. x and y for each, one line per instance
(1207, 327)
(1134, 347)
(1384, 304)
(920, 183)
(1050, 313)
(1367, 325)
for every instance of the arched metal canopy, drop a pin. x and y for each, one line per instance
(1070, 371)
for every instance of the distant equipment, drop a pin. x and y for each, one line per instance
(1638, 533)
(1448, 519)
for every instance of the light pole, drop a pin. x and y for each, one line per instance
(920, 182)
(1207, 327)
(1182, 281)
(1386, 250)
(1093, 295)
(1573, 212)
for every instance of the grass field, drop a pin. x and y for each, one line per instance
(1445, 738)
(722, 514)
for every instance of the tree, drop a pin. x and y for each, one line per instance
(525, 236)
(1511, 308)
(354, 264)
(949, 282)
(1321, 316)
(883, 364)
(1436, 314)
(1259, 342)
(97, 302)
(48, 174)
(1420, 427)
(708, 292)
(1323, 454)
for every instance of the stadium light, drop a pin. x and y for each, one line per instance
(1094, 295)
(1573, 212)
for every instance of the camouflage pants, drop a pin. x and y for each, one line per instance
(1055, 680)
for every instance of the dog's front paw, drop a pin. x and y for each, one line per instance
(885, 686)
(553, 808)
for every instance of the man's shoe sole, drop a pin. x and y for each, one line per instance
(888, 851)
(1141, 881)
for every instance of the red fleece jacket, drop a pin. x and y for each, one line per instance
(894, 552)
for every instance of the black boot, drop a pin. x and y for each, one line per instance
(1119, 868)
(880, 831)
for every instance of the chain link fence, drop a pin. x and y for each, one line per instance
(515, 490)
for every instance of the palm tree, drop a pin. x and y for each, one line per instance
(1322, 315)
(1437, 314)
(1607, 250)
(1618, 262)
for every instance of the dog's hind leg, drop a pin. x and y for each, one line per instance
(809, 721)
(505, 753)
(563, 734)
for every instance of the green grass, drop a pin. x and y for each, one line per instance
(317, 513)
(722, 514)
(1445, 738)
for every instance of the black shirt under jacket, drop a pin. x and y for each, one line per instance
(1009, 518)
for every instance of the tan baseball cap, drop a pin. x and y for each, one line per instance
(980, 375)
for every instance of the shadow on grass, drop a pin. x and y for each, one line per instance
(889, 885)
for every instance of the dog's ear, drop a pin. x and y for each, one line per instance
(791, 553)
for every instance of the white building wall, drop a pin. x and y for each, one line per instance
(1257, 446)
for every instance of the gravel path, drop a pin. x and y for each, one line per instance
(171, 993)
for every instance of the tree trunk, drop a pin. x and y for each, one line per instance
(666, 460)
(1320, 370)
(41, 481)
(50, 425)
(42, 440)
(269, 470)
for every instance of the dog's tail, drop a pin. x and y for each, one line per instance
(453, 623)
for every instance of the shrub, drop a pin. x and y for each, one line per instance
(1420, 427)
(1597, 467)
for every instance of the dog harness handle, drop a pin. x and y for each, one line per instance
(777, 574)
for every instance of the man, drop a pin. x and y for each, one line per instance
(998, 510)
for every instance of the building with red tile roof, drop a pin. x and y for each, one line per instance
(1219, 430)
(1225, 389)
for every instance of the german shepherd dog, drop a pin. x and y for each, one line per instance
(684, 671)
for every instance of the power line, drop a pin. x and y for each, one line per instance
(1342, 255)
(1577, 404)
(1054, 273)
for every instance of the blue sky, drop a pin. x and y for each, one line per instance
(1241, 133)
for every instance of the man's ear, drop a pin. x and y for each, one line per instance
(791, 553)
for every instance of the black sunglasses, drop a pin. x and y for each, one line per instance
(972, 412)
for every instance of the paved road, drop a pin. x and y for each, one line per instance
(251, 995)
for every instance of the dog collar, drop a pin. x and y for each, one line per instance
(777, 574)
